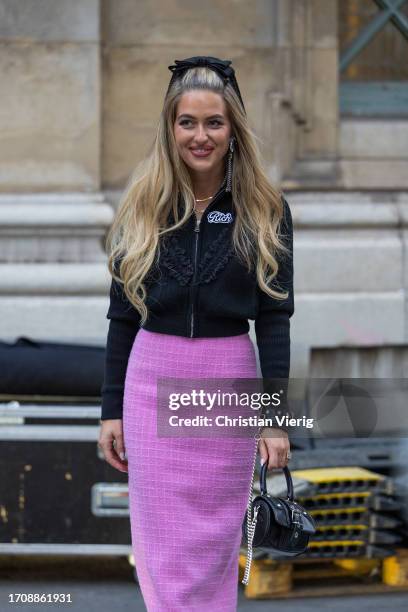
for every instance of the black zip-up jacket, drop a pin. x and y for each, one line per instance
(199, 288)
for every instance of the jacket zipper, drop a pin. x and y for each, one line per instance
(197, 233)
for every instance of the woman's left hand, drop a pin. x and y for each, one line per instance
(274, 447)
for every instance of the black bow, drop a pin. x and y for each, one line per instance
(222, 67)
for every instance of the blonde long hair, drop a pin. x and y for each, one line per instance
(155, 186)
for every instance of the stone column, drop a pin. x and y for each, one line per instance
(313, 44)
(53, 278)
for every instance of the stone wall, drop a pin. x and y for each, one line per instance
(50, 83)
(83, 83)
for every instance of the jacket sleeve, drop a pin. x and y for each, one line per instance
(272, 325)
(123, 326)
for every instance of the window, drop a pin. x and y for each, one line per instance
(373, 48)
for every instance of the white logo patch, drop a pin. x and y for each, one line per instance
(216, 216)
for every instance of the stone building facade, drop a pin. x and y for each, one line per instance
(82, 84)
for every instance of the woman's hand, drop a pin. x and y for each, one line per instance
(112, 432)
(274, 446)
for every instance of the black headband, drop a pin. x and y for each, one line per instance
(222, 67)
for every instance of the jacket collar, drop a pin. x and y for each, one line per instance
(221, 202)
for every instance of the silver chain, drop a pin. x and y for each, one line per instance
(251, 521)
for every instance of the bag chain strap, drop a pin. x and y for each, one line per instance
(251, 521)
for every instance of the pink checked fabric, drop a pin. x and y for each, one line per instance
(185, 538)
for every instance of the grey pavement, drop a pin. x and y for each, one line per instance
(100, 586)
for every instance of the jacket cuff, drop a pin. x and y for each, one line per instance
(112, 406)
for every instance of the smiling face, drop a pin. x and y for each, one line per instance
(202, 131)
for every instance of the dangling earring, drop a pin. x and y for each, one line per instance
(229, 164)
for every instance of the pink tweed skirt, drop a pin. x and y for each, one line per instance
(187, 496)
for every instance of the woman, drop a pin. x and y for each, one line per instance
(201, 243)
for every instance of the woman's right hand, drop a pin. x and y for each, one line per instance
(112, 432)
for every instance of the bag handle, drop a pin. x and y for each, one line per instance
(289, 483)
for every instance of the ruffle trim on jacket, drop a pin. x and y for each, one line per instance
(180, 266)
(176, 260)
(216, 257)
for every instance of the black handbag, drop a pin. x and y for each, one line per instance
(276, 523)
